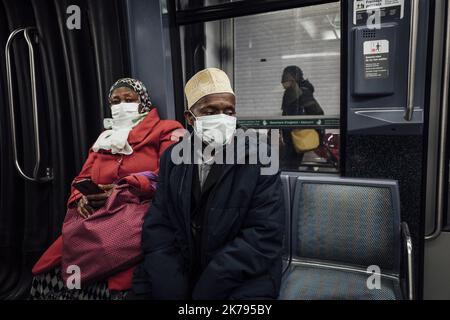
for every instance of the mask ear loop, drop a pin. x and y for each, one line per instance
(193, 125)
(192, 114)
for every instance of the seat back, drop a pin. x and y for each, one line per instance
(347, 221)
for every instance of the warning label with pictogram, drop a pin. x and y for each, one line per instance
(376, 59)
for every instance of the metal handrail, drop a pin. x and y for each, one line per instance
(413, 40)
(34, 178)
(409, 250)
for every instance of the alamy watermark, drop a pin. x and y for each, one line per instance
(73, 21)
(374, 280)
(374, 18)
(74, 280)
(250, 147)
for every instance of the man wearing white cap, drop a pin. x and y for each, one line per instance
(214, 231)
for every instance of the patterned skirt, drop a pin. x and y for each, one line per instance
(51, 286)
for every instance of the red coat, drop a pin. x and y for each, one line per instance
(149, 140)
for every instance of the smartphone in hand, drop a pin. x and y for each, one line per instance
(87, 187)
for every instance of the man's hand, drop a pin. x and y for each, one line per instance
(88, 204)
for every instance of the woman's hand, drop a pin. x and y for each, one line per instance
(108, 188)
(97, 201)
(84, 209)
(89, 204)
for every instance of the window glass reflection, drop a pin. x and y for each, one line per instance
(285, 67)
(306, 38)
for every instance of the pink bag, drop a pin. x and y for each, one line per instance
(108, 241)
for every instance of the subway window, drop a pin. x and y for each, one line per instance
(285, 69)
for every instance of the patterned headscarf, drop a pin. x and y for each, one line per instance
(138, 87)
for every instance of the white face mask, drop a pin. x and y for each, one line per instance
(123, 115)
(217, 130)
(123, 110)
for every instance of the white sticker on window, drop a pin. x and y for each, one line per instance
(388, 9)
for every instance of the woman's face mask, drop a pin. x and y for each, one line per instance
(124, 109)
(217, 130)
(124, 116)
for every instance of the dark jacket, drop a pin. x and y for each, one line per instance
(241, 238)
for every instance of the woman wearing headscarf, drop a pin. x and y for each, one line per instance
(298, 100)
(129, 149)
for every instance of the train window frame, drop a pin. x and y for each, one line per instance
(191, 4)
(179, 18)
